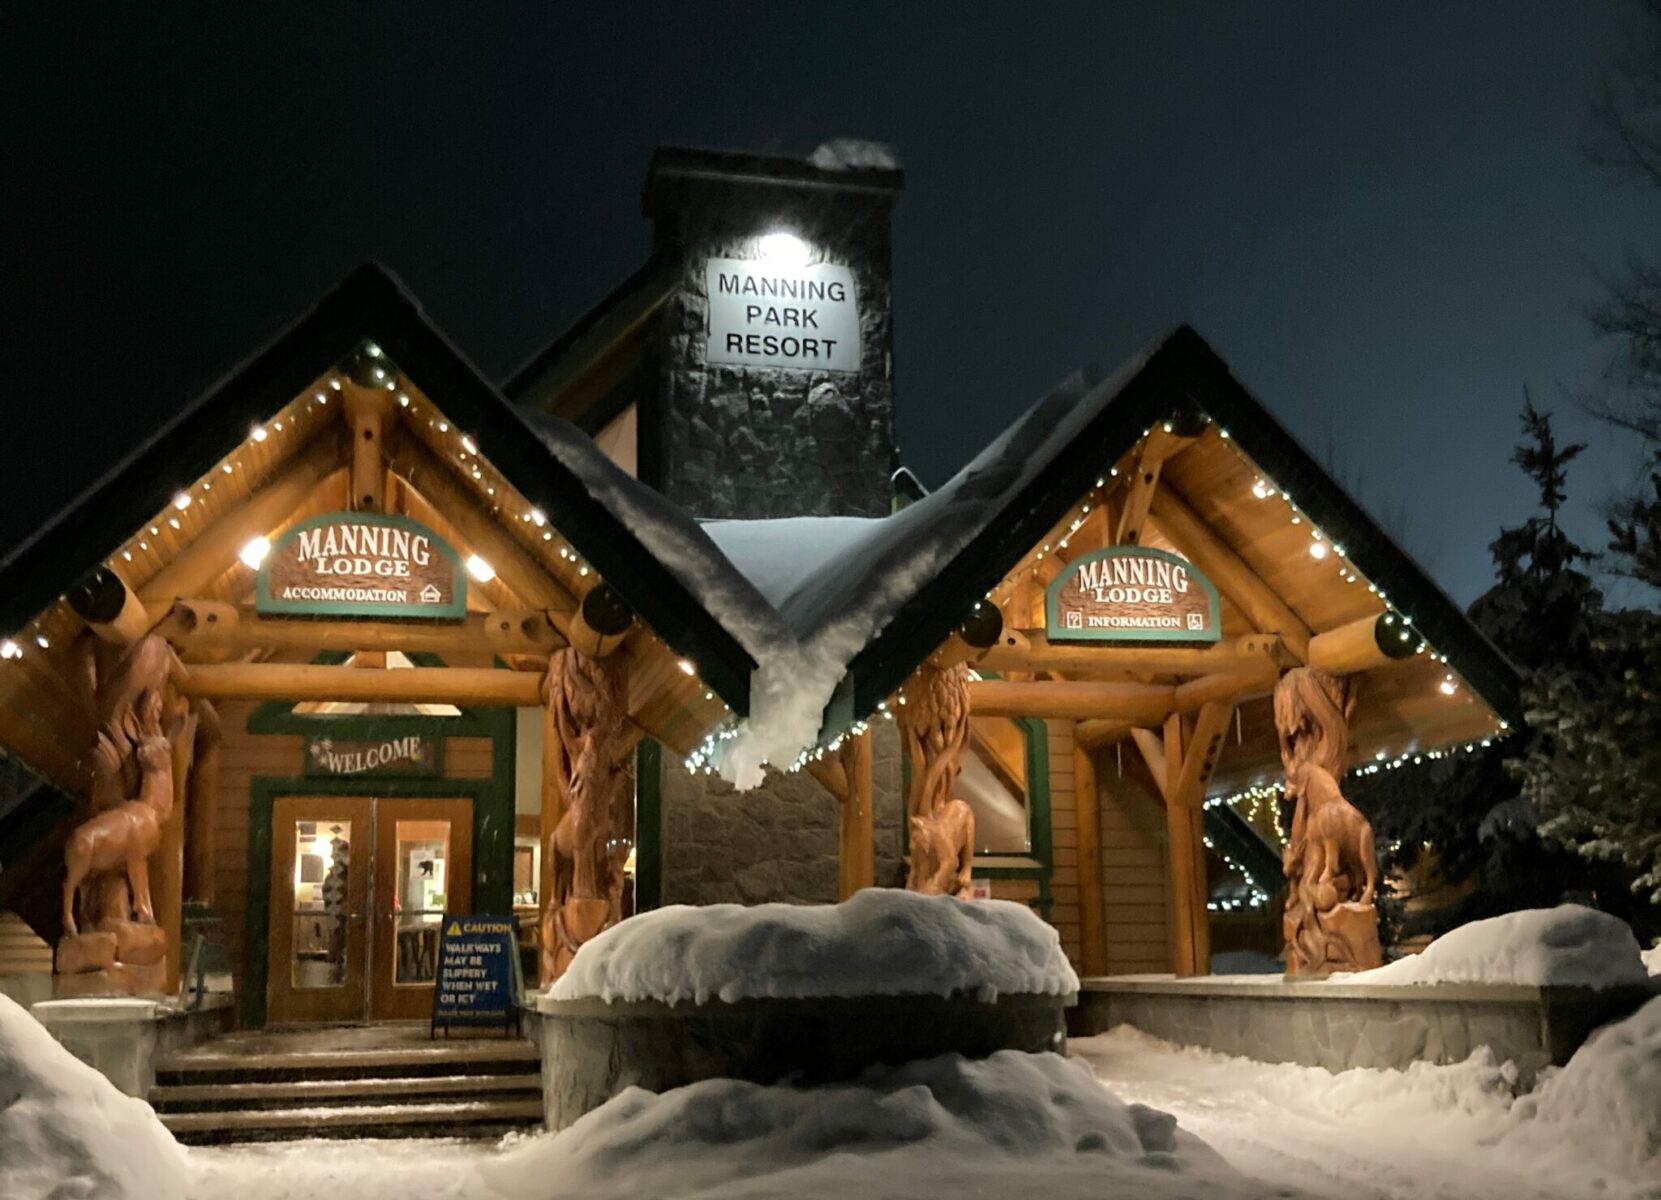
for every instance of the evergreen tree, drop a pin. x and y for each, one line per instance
(1467, 813)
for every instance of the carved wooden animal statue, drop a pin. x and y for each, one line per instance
(934, 722)
(125, 836)
(943, 851)
(1330, 921)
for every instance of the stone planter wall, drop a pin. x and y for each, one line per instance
(124, 1037)
(1338, 1026)
(592, 1050)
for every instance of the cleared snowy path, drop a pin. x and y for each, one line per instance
(1435, 1133)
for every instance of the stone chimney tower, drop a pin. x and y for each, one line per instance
(776, 389)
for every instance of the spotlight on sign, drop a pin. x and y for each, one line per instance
(254, 552)
(784, 249)
(479, 569)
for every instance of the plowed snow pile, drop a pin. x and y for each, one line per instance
(1566, 945)
(67, 1134)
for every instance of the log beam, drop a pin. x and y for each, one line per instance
(208, 557)
(1159, 446)
(1138, 702)
(1364, 644)
(210, 630)
(111, 609)
(1094, 734)
(1191, 943)
(1199, 760)
(461, 686)
(1032, 650)
(1232, 575)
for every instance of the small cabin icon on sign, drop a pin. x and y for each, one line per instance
(430, 594)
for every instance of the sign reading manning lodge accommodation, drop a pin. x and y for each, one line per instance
(350, 564)
(1132, 594)
(765, 315)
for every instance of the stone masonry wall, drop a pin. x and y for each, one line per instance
(776, 842)
(748, 442)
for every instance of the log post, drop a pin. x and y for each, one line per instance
(856, 847)
(201, 805)
(553, 808)
(1190, 938)
(366, 412)
(1093, 956)
(167, 865)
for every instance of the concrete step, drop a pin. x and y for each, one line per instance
(205, 1065)
(318, 1093)
(456, 1118)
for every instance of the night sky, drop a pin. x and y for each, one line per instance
(1382, 218)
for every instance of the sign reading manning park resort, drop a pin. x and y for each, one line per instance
(1132, 594)
(762, 314)
(362, 565)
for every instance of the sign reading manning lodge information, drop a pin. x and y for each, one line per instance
(362, 565)
(762, 314)
(1132, 594)
(406, 754)
(478, 971)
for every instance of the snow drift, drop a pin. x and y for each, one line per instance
(65, 1132)
(1566, 945)
(881, 941)
(1607, 1101)
(944, 1127)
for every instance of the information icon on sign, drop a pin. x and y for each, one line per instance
(1075, 620)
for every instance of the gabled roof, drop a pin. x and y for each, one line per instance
(890, 590)
(371, 304)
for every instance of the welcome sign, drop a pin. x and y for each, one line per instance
(362, 565)
(765, 315)
(406, 754)
(1132, 594)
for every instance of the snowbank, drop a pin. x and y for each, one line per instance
(1607, 1101)
(855, 154)
(65, 1132)
(881, 941)
(1013, 1124)
(1566, 945)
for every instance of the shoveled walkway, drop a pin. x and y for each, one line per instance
(348, 1081)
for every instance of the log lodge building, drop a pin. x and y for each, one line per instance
(370, 601)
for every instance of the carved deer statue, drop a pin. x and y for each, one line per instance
(124, 836)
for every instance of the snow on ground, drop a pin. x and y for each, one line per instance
(66, 1133)
(1454, 1132)
(1652, 959)
(1569, 944)
(1005, 1126)
(880, 941)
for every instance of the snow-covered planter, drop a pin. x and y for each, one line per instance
(798, 993)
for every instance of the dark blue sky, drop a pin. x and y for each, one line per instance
(1380, 216)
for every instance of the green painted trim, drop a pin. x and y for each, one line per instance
(1052, 603)
(648, 825)
(493, 809)
(453, 611)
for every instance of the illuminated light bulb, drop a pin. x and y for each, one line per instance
(537, 518)
(1448, 686)
(1262, 490)
(173, 521)
(403, 400)
(257, 433)
(479, 569)
(372, 350)
(784, 249)
(277, 425)
(42, 641)
(1317, 550)
(10, 649)
(444, 427)
(686, 667)
(468, 444)
(227, 468)
(181, 501)
(254, 551)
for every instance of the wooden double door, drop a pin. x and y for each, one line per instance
(359, 889)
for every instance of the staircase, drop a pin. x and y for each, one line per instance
(325, 1083)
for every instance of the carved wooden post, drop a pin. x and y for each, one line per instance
(934, 722)
(856, 847)
(1093, 948)
(1331, 922)
(586, 704)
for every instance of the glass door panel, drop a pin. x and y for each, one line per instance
(319, 908)
(423, 869)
